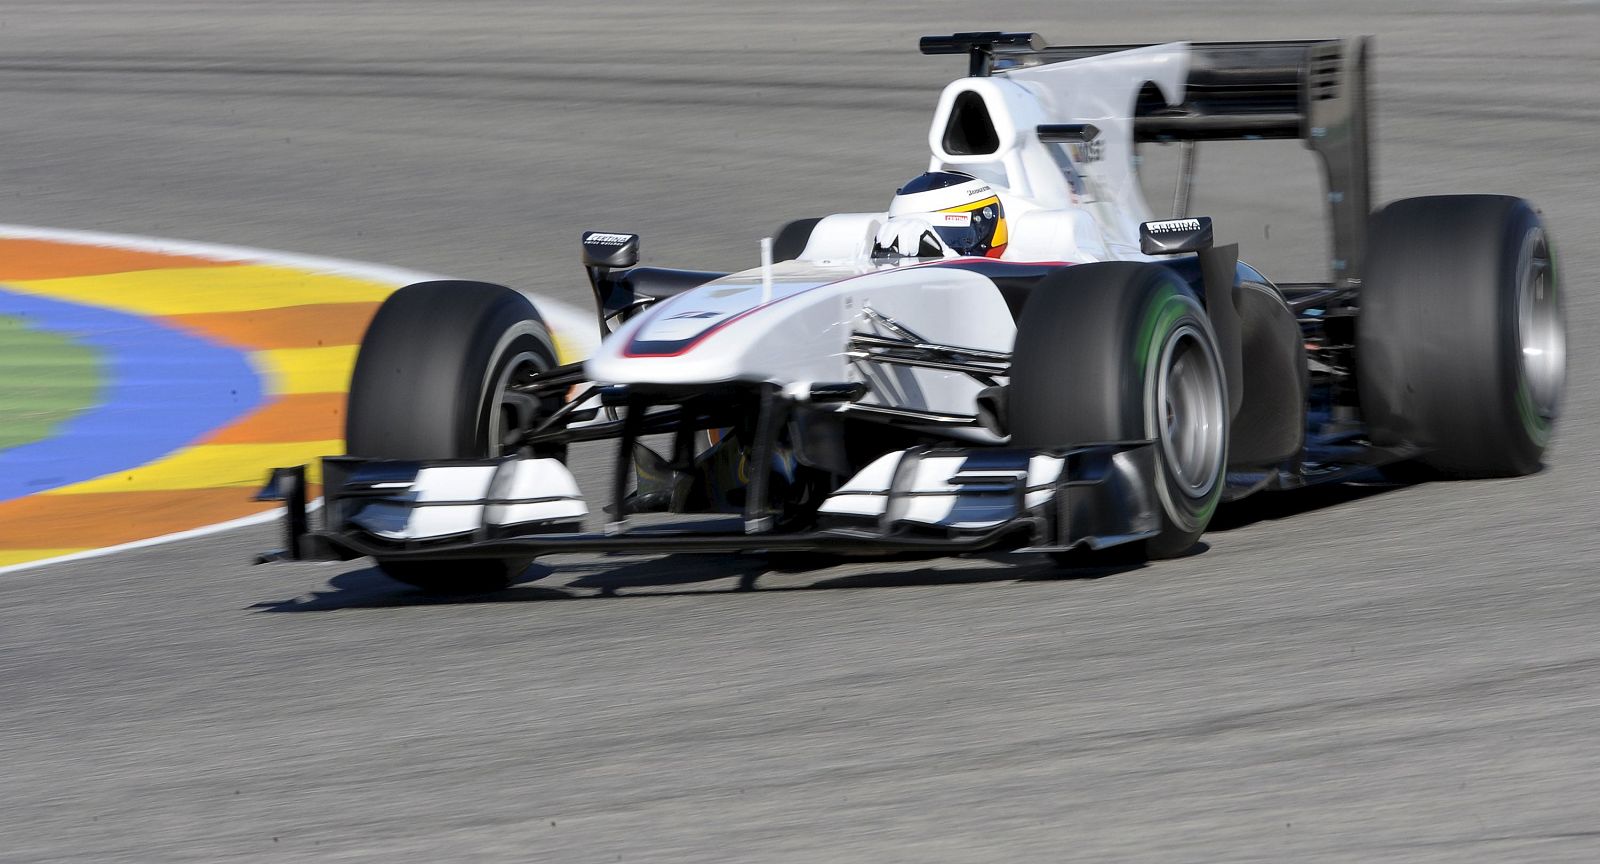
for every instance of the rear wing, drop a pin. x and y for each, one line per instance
(1311, 90)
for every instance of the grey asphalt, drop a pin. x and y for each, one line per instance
(1356, 675)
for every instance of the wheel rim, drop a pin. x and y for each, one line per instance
(511, 411)
(1541, 338)
(1189, 412)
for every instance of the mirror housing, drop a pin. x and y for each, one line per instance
(1175, 236)
(608, 250)
(1067, 133)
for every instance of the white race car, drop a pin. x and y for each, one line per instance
(1014, 355)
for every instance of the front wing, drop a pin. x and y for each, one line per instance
(934, 500)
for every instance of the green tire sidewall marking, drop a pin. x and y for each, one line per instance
(46, 379)
(1161, 313)
(1163, 309)
(1536, 427)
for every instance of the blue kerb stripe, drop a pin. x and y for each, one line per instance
(164, 388)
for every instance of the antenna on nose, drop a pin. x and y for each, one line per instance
(766, 270)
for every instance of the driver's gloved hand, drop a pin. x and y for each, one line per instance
(907, 237)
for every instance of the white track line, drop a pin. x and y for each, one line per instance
(242, 522)
(576, 329)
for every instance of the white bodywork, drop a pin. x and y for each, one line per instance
(1100, 91)
(724, 331)
(1064, 203)
(791, 323)
(451, 500)
(941, 497)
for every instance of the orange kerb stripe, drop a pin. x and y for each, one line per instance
(288, 327)
(109, 518)
(46, 259)
(296, 417)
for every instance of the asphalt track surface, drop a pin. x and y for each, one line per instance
(1400, 675)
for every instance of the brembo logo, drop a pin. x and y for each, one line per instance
(1174, 225)
(612, 239)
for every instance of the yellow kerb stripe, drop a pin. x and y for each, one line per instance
(210, 466)
(327, 369)
(307, 370)
(22, 556)
(196, 290)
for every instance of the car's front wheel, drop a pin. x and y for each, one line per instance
(1122, 351)
(434, 379)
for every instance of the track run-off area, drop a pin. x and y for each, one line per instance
(1354, 674)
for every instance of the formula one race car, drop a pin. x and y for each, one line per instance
(1015, 355)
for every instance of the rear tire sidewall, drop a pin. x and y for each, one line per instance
(1439, 347)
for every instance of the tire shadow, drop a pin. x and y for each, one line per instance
(369, 588)
(1271, 506)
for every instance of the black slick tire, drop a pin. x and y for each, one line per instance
(1097, 345)
(426, 385)
(1461, 344)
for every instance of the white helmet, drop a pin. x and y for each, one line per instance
(962, 212)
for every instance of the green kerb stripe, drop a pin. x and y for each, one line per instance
(45, 379)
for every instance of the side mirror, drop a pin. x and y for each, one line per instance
(606, 250)
(1175, 236)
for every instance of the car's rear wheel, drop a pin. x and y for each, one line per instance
(434, 380)
(1121, 351)
(1461, 343)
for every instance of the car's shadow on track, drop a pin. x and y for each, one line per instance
(1269, 506)
(673, 575)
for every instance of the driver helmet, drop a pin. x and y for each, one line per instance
(962, 210)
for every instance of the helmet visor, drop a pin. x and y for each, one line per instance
(976, 228)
